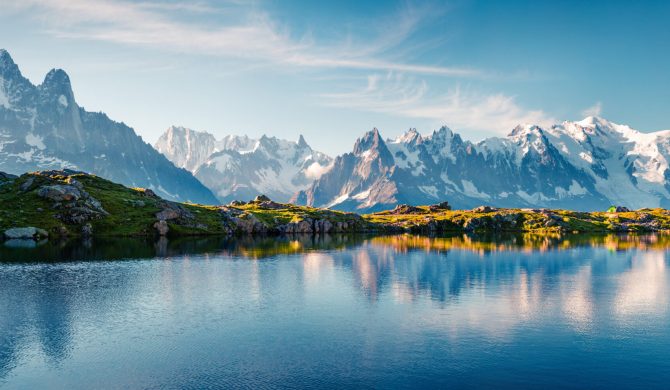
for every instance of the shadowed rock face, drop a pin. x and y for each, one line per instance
(42, 127)
(586, 165)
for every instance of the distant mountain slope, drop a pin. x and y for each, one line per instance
(42, 127)
(585, 165)
(238, 167)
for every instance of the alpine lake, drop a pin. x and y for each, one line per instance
(340, 311)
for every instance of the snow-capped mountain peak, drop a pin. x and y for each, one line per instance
(240, 167)
(587, 164)
(43, 127)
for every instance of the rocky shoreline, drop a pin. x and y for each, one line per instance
(65, 203)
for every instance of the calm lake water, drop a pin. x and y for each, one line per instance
(337, 312)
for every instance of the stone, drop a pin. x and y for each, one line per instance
(551, 223)
(25, 233)
(323, 226)
(87, 230)
(162, 227)
(77, 215)
(405, 209)
(472, 224)
(237, 203)
(168, 214)
(60, 193)
(26, 185)
(262, 198)
(483, 209)
(270, 205)
(148, 193)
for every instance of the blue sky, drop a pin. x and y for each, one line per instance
(332, 71)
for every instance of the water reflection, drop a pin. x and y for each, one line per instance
(475, 297)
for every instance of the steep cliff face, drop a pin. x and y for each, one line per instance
(586, 165)
(42, 127)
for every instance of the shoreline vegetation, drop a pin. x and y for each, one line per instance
(262, 247)
(65, 203)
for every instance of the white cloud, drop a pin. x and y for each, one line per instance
(244, 33)
(459, 108)
(594, 110)
(316, 170)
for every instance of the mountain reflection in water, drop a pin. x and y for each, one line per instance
(519, 310)
(269, 246)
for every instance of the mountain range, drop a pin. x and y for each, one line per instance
(585, 165)
(239, 167)
(42, 127)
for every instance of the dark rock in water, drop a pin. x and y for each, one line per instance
(25, 233)
(87, 230)
(162, 227)
(405, 209)
(262, 198)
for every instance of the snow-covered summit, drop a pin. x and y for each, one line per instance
(240, 167)
(586, 164)
(42, 127)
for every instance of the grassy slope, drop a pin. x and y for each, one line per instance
(133, 213)
(529, 221)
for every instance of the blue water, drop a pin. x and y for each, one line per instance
(402, 312)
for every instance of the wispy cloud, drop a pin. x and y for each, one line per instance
(250, 34)
(459, 108)
(594, 110)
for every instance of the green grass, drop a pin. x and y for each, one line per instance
(132, 213)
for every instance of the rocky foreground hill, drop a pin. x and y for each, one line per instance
(62, 203)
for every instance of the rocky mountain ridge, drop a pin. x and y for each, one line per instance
(239, 167)
(585, 165)
(42, 127)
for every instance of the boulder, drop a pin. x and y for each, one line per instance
(25, 233)
(484, 209)
(87, 230)
(262, 198)
(237, 203)
(162, 227)
(271, 205)
(27, 185)
(442, 206)
(168, 214)
(60, 193)
(472, 224)
(323, 226)
(148, 193)
(405, 209)
(75, 215)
